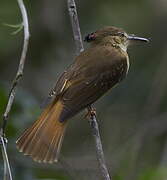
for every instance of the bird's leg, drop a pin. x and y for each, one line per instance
(91, 113)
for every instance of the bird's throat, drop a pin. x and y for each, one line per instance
(123, 47)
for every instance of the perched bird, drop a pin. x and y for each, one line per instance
(95, 71)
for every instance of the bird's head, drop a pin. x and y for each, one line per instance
(113, 36)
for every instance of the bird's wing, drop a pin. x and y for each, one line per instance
(68, 77)
(61, 85)
(93, 73)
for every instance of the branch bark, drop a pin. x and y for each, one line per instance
(93, 121)
(19, 74)
(75, 26)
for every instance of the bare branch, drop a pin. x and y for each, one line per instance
(19, 74)
(93, 122)
(7, 171)
(99, 148)
(21, 64)
(75, 26)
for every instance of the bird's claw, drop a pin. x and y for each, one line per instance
(91, 112)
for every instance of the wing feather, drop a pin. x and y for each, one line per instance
(93, 73)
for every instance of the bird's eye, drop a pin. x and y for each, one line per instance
(121, 34)
(90, 37)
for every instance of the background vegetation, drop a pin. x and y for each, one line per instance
(132, 117)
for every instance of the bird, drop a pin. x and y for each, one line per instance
(96, 70)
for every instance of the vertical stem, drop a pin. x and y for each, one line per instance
(75, 26)
(7, 170)
(19, 74)
(99, 148)
(93, 122)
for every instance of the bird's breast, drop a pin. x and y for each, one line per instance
(113, 74)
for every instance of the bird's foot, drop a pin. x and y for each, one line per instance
(90, 113)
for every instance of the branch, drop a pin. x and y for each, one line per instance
(93, 122)
(99, 148)
(7, 170)
(75, 26)
(19, 74)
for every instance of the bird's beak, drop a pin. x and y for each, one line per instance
(135, 38)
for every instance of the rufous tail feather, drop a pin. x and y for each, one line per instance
(43, 140)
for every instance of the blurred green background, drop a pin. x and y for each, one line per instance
(132, 118)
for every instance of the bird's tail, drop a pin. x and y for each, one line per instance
(42, 141)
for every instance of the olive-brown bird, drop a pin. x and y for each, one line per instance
(92, 74)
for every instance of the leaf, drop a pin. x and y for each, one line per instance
(18, 27)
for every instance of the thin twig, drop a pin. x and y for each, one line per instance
(7, 170)
(93, 121)
(99, 148)
(75, 26)
(19, 74)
